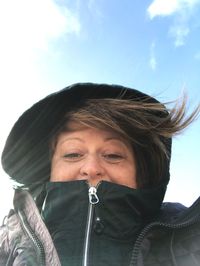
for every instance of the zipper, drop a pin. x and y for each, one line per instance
(146, 229)
(37, 243)
(93, 200)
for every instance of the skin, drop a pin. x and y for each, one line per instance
(92, 154)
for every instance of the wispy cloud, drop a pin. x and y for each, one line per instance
(182, 12)
(179, 33)
(95, 10)
(152, 60)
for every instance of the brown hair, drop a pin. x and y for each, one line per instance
(147, 126)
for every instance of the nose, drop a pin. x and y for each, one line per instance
(92, 170)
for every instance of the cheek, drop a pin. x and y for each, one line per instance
(131, 176)
(61, 171)
(56, 171)
(131, 171)
(124, 175)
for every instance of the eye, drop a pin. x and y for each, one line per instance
(74, 156)
(113, 157)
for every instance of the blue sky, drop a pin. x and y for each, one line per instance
(153, 46)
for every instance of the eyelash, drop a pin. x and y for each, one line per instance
(112, 157)
(72, 156)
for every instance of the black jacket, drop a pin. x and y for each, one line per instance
(172, 238)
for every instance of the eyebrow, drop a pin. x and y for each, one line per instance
(81, 140)
(123, 142)
(68, 139)
(106, 139)
(114, 138)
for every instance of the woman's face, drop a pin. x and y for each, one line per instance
(84, 153)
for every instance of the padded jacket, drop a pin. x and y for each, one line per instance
(171, 239)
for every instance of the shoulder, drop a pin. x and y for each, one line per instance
(11, 226)
(9, 232)
(176, 212)
(170, 211)
(175, 236)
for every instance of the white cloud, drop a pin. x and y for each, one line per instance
(26, 29)
(162, 8)
(152, 61)
(33, 23)
(182, 11)
(169, 7)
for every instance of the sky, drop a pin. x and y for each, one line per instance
(152, 46)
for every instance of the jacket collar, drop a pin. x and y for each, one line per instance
(121, 210)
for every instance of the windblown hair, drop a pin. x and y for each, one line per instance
(148, 127)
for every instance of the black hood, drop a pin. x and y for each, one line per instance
(25, 157)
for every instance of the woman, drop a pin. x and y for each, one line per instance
(91, 164)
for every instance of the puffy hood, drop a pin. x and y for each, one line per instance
(25, 157)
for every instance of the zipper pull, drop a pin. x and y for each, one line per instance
(93, 198)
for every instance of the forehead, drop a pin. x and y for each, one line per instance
(75, 129)
(87, 134)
